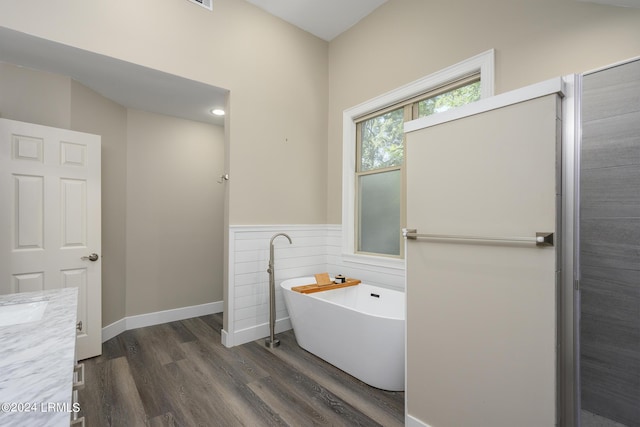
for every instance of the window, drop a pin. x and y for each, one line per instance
(380, 159)
(373, 156)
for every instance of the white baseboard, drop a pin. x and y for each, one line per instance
(414, 422)
(226, 339)
(158, 317)
(230, 339)
(114, 329)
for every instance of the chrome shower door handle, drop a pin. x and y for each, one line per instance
(92, 257)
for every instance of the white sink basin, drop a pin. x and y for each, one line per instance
(14, 314)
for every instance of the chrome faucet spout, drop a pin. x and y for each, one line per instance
(270, 269)
(280, 234)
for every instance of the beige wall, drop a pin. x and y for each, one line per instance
(93, 113)
(35, 97)
(534, 41)
(277, 75)
(174, 213)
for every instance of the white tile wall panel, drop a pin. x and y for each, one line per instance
(315, 249)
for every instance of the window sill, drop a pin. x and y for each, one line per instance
(375, 261)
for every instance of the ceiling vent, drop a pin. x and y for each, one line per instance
(207, 4)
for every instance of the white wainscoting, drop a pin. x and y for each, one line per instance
(316, 248)
(248, 291)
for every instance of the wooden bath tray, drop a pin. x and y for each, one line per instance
(309, 289)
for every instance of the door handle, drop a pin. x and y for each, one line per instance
(92, 257)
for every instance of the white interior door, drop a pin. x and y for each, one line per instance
(50, 218)
(481, 315)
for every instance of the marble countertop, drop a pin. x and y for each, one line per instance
(37, 360)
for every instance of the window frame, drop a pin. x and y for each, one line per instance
(407, 112)
(482, 64)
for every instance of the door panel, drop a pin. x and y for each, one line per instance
(30, 282)
(74, 213)
(29, 214)
(481, 316)
(50, 218)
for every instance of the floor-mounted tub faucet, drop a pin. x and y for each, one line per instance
(272, 342)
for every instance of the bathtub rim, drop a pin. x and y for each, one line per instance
(309, 279)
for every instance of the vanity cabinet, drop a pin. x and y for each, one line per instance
(78, 385)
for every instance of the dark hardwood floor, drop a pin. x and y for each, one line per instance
(180, 374)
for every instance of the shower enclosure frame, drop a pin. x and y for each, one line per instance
(568, 294)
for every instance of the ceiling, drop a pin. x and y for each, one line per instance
(328, 19)
(325, 19)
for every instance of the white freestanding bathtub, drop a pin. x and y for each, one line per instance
(359, 329)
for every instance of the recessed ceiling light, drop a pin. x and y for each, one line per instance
(217, 112)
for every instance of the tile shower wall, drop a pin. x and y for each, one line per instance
(315, 249)
(610, 244)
